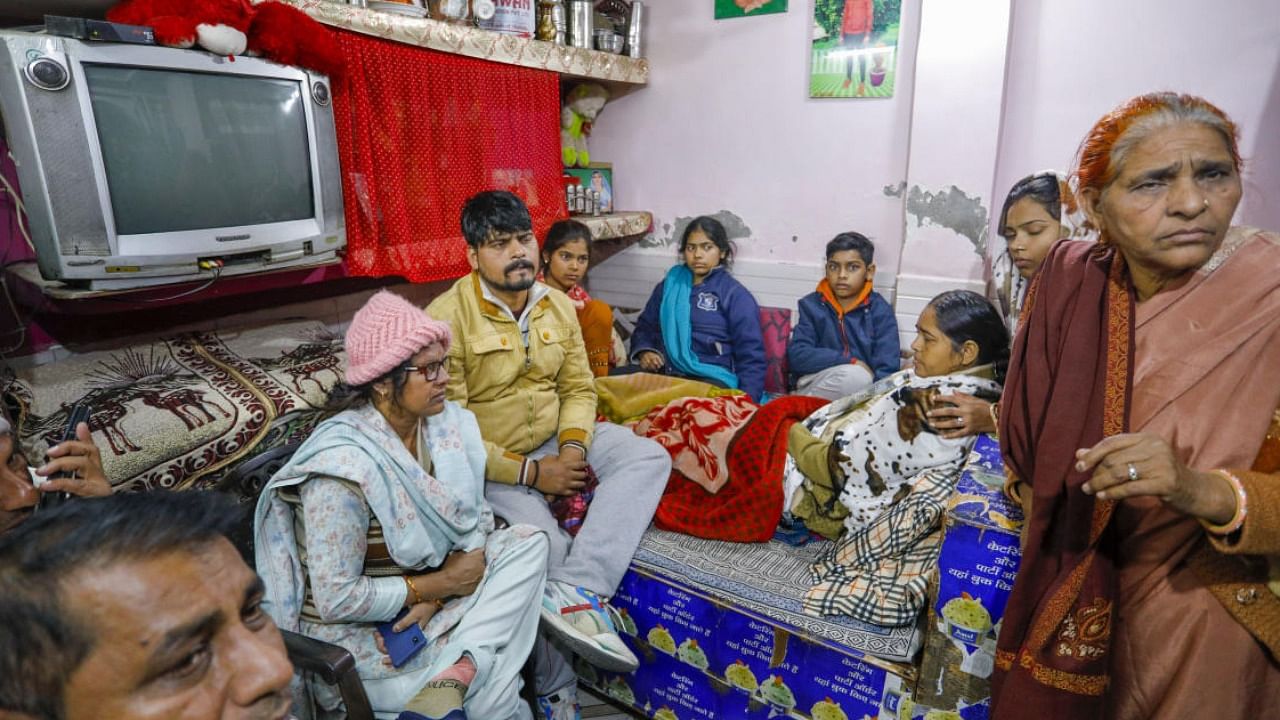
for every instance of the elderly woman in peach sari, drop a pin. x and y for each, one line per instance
(1138, 424)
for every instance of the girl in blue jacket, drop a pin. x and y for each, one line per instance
(701, 322)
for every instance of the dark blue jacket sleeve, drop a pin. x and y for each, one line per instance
(648, 332)
(748, 343)
(804, 355)
(886, 358)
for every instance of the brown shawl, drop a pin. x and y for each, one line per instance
(1069, 383)
(1203, 372)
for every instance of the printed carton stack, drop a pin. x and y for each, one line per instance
(701, 659)
(979, 560)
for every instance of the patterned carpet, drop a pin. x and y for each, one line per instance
(179, 411)
(769, 580)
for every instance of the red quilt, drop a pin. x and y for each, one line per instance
(727, 461)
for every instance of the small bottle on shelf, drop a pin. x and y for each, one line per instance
(453, 11)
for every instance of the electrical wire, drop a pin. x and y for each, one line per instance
(217, 273)
(21, 210)
(21, 330)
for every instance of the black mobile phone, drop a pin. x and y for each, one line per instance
(79, 414)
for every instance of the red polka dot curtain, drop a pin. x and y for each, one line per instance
(419, 132)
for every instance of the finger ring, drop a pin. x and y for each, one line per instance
(1133, 473)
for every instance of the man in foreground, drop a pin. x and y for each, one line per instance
(134, 607)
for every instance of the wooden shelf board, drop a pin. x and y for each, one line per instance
(616, 225)
(477, 43)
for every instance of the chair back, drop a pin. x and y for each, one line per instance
(245, 483)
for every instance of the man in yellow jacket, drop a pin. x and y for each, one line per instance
(518, 362)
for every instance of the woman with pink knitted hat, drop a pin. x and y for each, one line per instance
(380, 517)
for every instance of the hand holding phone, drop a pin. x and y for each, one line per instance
(403, 645)
(79, 414)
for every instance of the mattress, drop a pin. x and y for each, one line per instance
(768, 580)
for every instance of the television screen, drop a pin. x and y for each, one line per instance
(189, 150)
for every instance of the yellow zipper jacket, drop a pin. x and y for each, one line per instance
(521, 396)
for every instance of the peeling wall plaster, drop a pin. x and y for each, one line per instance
(951, 209)
(668, 235)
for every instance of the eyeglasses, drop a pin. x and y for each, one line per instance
(430, 371)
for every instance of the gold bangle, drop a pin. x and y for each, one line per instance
(416, 597)
(1242, 507)
(995, 417)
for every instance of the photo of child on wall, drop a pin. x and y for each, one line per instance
(855, 48)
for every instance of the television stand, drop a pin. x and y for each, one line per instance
(31, 282)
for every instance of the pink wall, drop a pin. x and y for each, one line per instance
(726, 124)
(954, 136)
(1070, 62)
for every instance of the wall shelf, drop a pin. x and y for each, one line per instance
(477, 43)
(616, 225)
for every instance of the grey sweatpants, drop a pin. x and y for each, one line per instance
(835, 382)
(633, 472)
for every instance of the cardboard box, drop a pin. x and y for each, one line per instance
(976, 568)
(701, 659)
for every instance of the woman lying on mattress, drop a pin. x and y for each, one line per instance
(852, 459)
(869, 470)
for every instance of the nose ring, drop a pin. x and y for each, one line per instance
(1206, 202)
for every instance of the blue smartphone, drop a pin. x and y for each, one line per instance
(403, 645)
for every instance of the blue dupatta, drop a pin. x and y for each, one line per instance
(677, 329)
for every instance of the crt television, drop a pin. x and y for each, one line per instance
(143, 165)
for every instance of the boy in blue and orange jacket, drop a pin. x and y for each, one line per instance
(847, 335)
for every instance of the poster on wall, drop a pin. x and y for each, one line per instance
(748, 8)
(855, 48)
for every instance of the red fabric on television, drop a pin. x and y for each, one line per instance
(419, 132)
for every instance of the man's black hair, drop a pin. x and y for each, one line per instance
(43, 642)
(493, 211)
(852, 241)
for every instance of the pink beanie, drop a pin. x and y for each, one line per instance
(385, 332)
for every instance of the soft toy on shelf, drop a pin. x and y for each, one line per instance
(581, 107)
(278, 32)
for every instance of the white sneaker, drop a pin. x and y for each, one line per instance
(577, 617)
